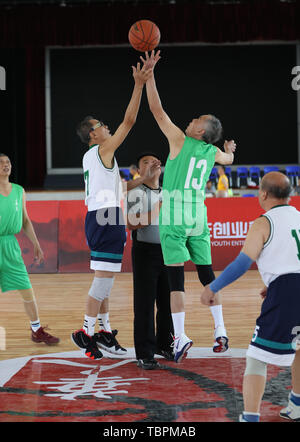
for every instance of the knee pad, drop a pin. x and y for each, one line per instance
(255, 367)
(101, 288)
(176, 278)
(205, 274)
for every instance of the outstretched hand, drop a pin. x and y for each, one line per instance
(150, 62)
(229, 146)
(141, 75)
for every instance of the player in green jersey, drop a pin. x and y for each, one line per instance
(13, 273)
(183, 222)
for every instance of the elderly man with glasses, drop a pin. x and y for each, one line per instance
(104, 223)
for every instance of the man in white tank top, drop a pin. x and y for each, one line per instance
(273, 241)
(104, 224)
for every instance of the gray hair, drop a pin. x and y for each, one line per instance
(213, 130)
(84, 128)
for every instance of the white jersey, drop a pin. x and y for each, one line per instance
(281, 252)
(102, 185)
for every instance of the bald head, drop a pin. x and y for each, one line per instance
(277, 185)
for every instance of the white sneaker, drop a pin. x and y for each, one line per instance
(181, 346)
(221, 340)
(292, 411)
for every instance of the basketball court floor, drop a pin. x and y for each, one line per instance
(39, 383)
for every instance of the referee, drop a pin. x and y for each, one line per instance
(150, 277)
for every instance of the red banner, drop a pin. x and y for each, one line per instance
(59, 226)
(45, 218)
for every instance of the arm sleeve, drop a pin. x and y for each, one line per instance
(233, 271)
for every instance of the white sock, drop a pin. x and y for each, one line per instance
(35, 325)
(104, 323)
(216, 311)
(178, 323)
(89, 325)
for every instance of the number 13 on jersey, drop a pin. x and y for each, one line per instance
(194, 183)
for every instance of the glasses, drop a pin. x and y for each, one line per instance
(99, 124)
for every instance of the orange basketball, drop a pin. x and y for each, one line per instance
(144, 35)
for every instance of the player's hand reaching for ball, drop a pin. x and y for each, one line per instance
(150, 62)
(141, 75)
(229, 146)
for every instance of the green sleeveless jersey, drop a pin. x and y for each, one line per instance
(184, 182)
(11, 213)
(191, 169)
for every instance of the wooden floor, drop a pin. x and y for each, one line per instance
(61, 301)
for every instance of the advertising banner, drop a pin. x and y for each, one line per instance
(59, 226)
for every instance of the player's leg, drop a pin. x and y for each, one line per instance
(177, 302)
(106, 242)
(38, 333)
(15, 277)
(273, 339)
(103, 316)
(200, 252)
(292, 410)
(253, 389)
(175, 253)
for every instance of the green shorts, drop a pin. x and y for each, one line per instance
(13, 272)
(179, 245)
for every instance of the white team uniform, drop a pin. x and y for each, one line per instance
(280, 253)
(103, 193)
(279, 265)
(102, 185)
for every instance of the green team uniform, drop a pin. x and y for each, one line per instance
(183, 228)
(13, 273)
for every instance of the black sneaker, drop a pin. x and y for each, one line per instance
(148, 364)
(92, 351)
(167, 354)
(82, 340)
(107, 341)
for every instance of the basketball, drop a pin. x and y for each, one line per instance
(144, 35)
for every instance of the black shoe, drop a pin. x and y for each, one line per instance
(148, 364)
(82, 340)
(92, 351)
(108, 342)
(167, 354)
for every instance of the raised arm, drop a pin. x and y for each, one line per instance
(174, 135)
(110, 145)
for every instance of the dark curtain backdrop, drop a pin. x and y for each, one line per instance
(34, 27)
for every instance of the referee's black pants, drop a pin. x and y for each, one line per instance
(150, 285)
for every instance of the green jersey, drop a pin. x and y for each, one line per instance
(184, 182)
(191, 169)
(11, 212)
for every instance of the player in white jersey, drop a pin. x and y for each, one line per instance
(104, 223)
(273, 241)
